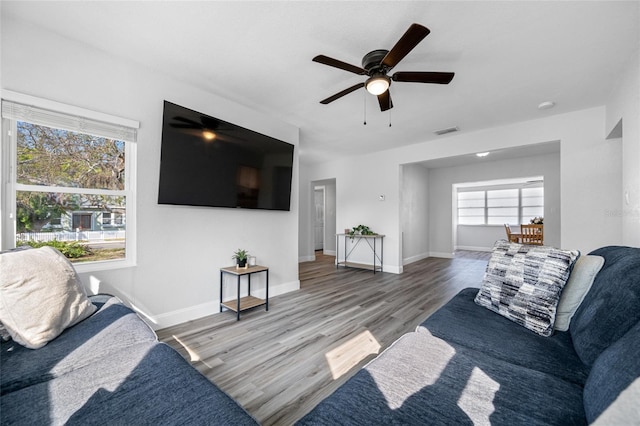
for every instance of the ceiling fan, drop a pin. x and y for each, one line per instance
(378, 63)
(207, 127)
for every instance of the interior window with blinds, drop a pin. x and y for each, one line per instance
(70, 182)
(511, 204)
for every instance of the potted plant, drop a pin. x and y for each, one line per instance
(360, 230)
(241, 258)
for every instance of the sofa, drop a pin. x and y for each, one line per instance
(105, 368)
(476, 363)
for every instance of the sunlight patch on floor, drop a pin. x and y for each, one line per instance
(477, 397)
(193, 355)
(349, 354)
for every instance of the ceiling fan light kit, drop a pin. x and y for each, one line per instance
(377, 64)
(377, 84)
(208, 134)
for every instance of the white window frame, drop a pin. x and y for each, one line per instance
(10, 186)
(486, 186)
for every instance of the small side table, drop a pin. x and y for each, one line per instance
(249, 301)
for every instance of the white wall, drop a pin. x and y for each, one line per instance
(179, 249)
(358, 187)
(441, 212)
(306, 223)
(589, 173)
(624, 104)
(414, 212)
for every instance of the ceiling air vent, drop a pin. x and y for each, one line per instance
(445, 131)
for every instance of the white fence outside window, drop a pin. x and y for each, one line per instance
(72, 236)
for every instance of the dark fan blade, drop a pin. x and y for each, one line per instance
(184, 126)
(188, 121)
(341, 94)
(339, 64)
(423, 77)
(407, 42)
(385, 101)
(210, 123)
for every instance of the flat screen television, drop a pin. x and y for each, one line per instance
(206, 161)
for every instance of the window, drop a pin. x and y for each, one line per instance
(106, 219)
(82, 221)
(65, 170)
(471, 208)
(113, 218)
(497, 205)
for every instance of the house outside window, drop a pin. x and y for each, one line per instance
(65, 170)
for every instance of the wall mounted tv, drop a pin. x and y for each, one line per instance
(206, 161)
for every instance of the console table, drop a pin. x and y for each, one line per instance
(243, 303)
(374, 242)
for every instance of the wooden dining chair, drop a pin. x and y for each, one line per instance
(532, 234)
(512, 238)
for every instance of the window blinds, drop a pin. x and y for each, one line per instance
(60, 120)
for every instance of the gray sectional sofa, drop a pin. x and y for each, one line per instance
(108, 369)
(468, 365)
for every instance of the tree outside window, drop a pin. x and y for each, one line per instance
(65, 181)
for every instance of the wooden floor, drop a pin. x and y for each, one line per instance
(279, 364)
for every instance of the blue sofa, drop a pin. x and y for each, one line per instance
(108, 369)
(468, 365)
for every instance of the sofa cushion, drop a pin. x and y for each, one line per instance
(40, 295)
(582, 275)
(148, 383)
(4, 333)
(523, 283)
(610, 308)
(112, 328)
(422, 379)
(613, 386)
(464, 323)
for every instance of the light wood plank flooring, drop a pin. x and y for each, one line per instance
(279, 364)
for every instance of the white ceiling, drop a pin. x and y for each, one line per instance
(508, 57)
(545, 148)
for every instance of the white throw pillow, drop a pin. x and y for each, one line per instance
(584, 272)
(40, 295)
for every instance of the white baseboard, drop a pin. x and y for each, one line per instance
(444, 255)
(416, 258)
(329, 252)
(474, 248)
(180, 316)
(306, 259)
(393, 269)
(385, 268)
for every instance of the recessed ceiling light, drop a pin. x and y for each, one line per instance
(546, 105)
(482, 154)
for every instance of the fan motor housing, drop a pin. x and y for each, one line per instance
(371, 61)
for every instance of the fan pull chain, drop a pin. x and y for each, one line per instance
(389, 117)
(364, 98)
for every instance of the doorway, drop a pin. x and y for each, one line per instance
(318, 200)
(323, 212)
